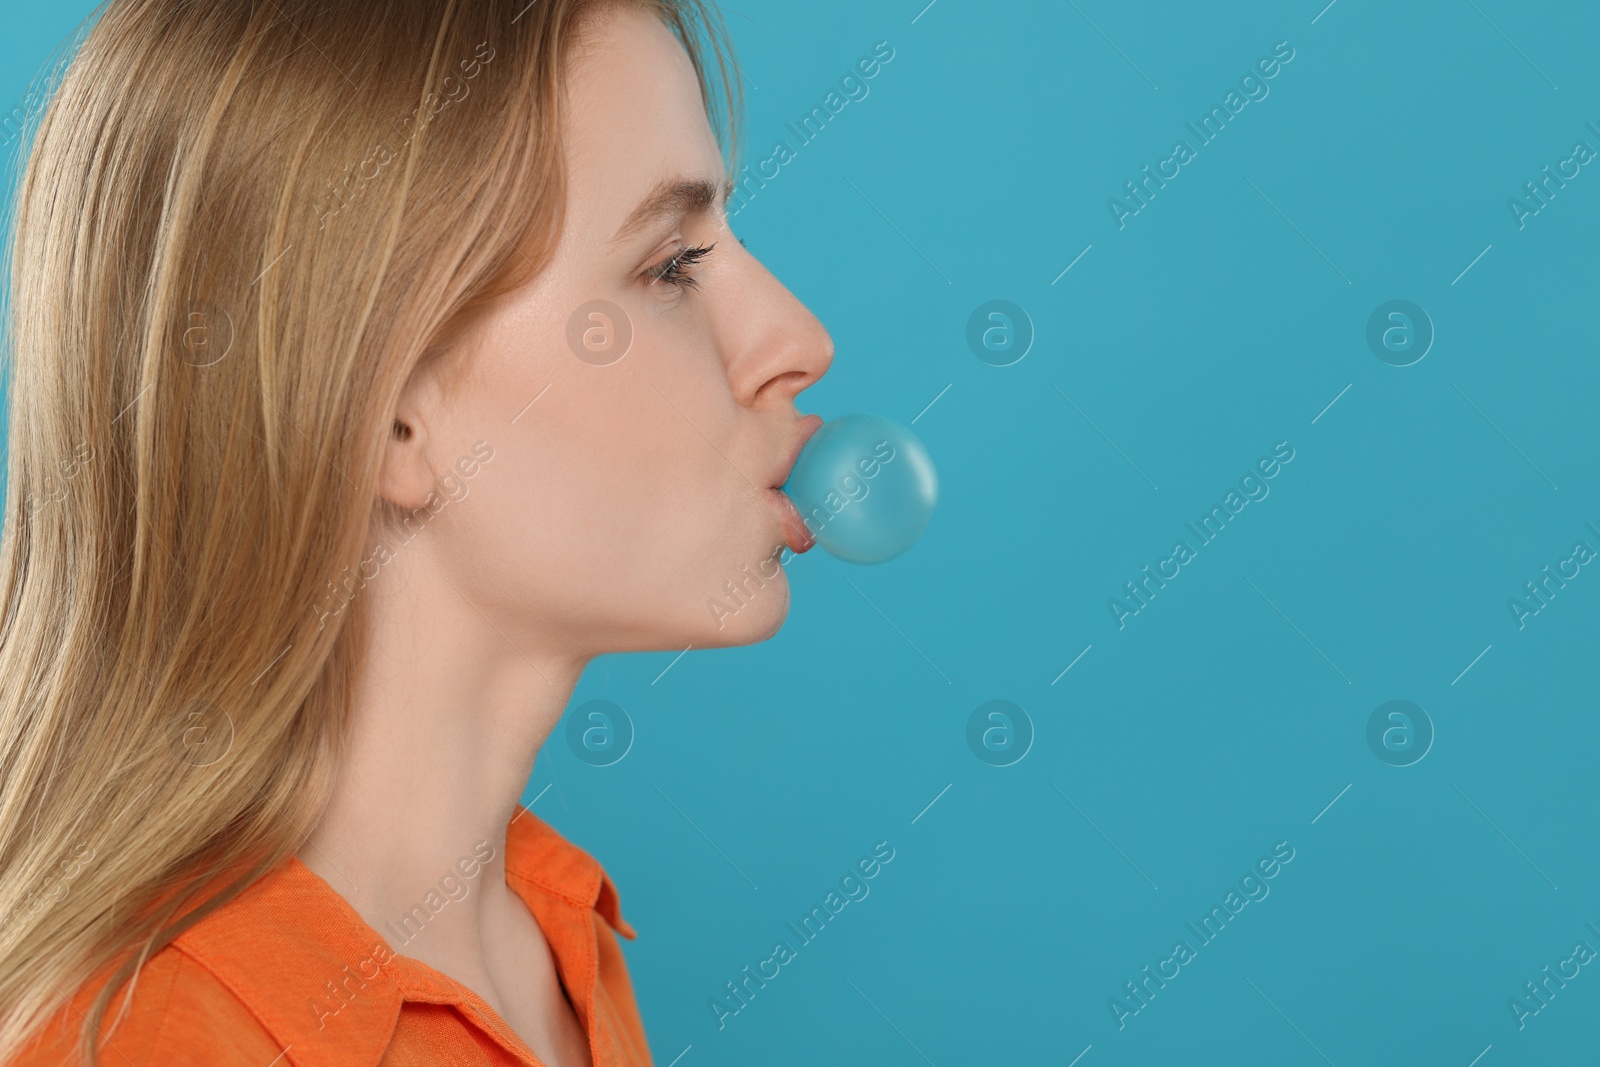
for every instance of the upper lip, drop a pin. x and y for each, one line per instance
(808, 425)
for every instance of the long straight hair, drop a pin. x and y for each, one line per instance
(239, 229)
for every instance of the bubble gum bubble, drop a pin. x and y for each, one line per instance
(865, 486)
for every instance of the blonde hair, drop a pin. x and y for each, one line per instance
(240, 229)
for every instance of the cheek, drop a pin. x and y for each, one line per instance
(614, 500)
(611, 492)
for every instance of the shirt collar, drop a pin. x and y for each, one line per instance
(326, 985)
(536, 853)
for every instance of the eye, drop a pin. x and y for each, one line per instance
(674, 270)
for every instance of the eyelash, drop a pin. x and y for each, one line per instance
(672, 270)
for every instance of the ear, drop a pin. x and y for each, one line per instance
(407, 477)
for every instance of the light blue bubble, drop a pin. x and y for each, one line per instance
(865, 486)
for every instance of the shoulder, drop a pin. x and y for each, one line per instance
(262, 974)
(175, 1012)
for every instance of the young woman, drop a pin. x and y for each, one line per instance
(373, 367)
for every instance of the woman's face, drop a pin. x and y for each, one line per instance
(624, 503)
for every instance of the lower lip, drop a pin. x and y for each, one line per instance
(796, 536)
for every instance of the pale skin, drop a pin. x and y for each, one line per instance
(612, 510)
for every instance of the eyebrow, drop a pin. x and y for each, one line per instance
(675, 197)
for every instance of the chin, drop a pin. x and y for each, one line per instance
(745, 613)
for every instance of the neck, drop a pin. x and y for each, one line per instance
(449, 713)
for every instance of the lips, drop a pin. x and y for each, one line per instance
(809, 425)
(796, 536)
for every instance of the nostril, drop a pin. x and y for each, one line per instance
(788, 383)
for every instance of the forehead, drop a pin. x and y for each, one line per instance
(634, 115)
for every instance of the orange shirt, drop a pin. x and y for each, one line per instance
(289, 975)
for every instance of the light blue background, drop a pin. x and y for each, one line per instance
(1227, 714)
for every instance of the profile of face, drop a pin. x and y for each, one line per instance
(621, 498)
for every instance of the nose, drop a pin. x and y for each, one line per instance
(774, 345)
